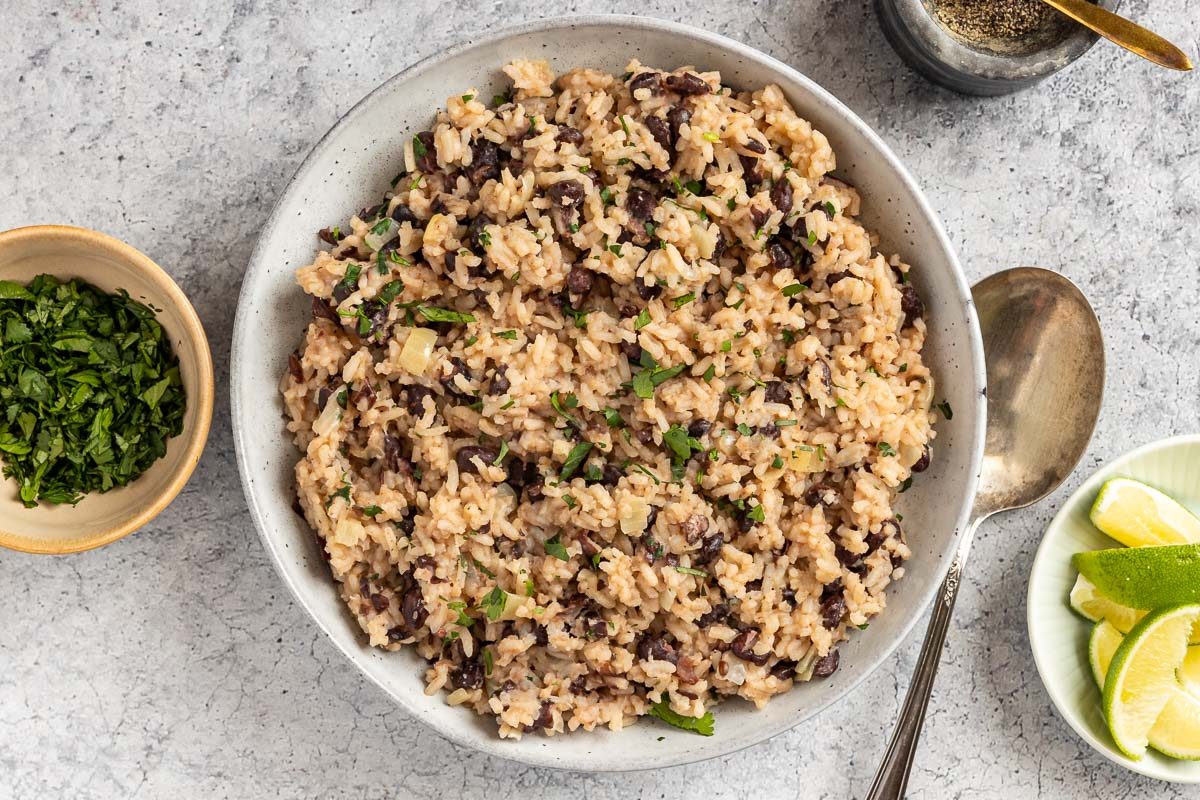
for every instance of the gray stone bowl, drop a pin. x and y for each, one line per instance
(914, 32)
(352, 165)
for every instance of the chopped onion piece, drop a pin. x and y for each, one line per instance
(381, 233)
(329, 418)
(910, 454)
(805, 460)
(417, 350)
(348, 532)
(512, 602)
(635, 512)
(706, 242)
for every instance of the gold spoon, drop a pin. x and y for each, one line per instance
(1045, 380)
(1121, 31)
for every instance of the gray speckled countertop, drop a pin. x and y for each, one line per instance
(173, 663)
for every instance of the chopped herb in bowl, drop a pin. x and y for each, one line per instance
(90, 390)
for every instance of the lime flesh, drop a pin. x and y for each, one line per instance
(1189, 670)
(1141, 677)
(1137, 515)
(1103, 642)
(1144, 577)
(1176, 732)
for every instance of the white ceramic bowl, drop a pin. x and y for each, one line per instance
(1059, 636)
(354, 163)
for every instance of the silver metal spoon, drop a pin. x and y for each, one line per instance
(1045, 381)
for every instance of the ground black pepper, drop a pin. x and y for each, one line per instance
(989, 20)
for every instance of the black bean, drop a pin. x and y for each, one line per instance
(413, 608)
(586, 544)
(476, 232)
(595, 628)
(362, 392)
(710, 549)
(770, 430)
(834, 277)
(778, 392)
(322, 310)
(661, 131)
(750, 174)
(457, 367)
(611, 475)
(873, 541)
(427, 163)
(535, 487)
(758, 216)
(330, 235)
(655, 647)
(698, 428)
(644, 435)
(500, 382)
(566, 194)
(545, 717)
(743, 647)
(677, 117)
(824, 374)
(686, 84)
(717, 616)
(651, 517)
(646, 80)
(783, 670)
(408, 523)
(415, 395)
(485, 162)
(295, 369)
(781, 195)
(569, 135)
(379, 602)
(342, 291)
(393, 455)
(780, 257)
(755, 146)
(579, 281)
(541, 636)
(911, 305)
(372, 212)
(640, 204)
(647, 291)
(376, 314)
(632, 351)
(922, 462)
(485, 453)
(402, 213)
(469, 675)
(694, 527)
(832, 611)
(719, 247)
(789, 596)
(826, 666)
(851, 561)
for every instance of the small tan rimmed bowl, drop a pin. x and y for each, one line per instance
(109, 264)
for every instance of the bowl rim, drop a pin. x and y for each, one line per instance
(1045, 665)
(977, 374)
(193, 330)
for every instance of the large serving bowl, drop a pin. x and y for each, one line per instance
(354, 163)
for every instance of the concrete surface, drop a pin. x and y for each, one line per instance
(171, 664)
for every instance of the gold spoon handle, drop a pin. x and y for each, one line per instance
(1120, 31)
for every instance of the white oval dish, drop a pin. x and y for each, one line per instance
(1059, 636)
(354, 163)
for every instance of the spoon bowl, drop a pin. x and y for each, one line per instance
(1045, 366)
(1045, 371)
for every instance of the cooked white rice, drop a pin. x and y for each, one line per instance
(604, 408)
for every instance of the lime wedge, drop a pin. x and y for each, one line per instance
(1137, 515)
(1103, 642)
(1141, 677)
(1189, 670)
(1144, 577)
(1092, 605)
(1176, 732)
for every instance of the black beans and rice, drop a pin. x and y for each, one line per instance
(605, 406)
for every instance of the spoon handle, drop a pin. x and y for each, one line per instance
(892, 777)
(1120, 31)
